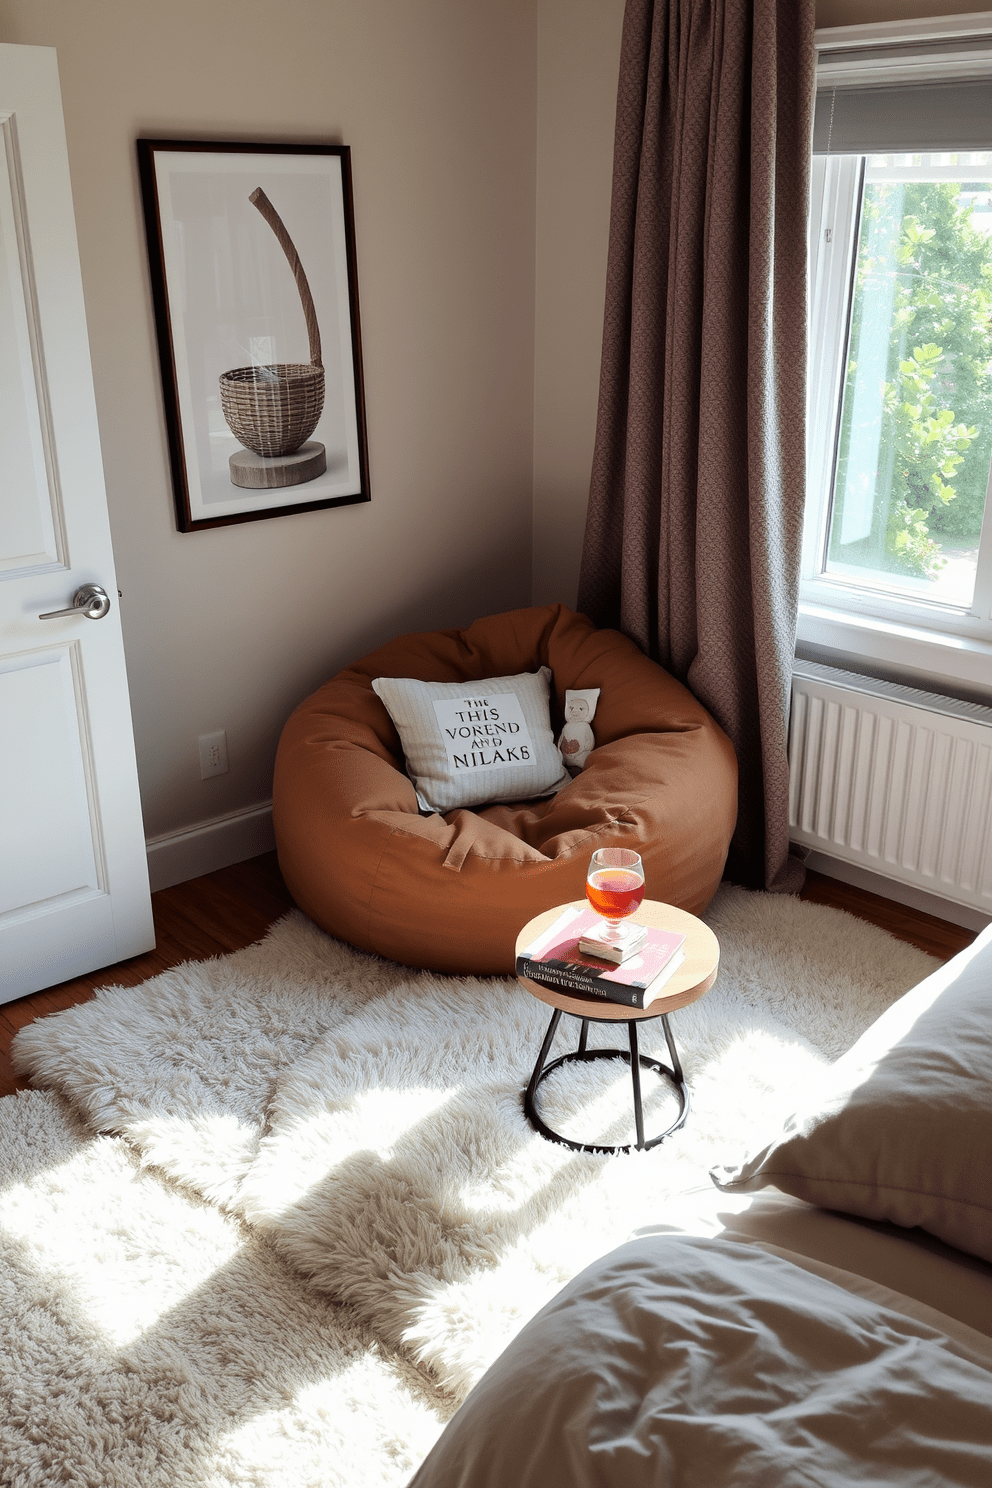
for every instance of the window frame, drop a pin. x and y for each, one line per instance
(911, 633)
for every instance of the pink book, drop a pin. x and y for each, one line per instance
(560, 944)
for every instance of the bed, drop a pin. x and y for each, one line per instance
(821, 1315)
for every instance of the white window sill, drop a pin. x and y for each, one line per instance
(923, 658)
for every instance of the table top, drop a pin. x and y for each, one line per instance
(695, 976)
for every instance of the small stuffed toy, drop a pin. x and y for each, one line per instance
(577, 737)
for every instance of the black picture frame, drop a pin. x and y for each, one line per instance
(236, 318)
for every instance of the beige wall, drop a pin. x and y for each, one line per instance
(578, 54)
(230, 628)
(578, 50)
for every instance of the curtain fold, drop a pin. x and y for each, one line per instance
(694, 527)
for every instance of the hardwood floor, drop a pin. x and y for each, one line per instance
(230, 908)
(936, 937)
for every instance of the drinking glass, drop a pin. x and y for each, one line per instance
(615, 888)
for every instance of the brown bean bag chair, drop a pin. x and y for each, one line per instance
(452, 892)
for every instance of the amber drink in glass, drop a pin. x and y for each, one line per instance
(615, 889)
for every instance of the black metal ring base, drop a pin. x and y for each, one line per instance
(635, 1060)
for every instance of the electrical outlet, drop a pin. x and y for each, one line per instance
(213, 754)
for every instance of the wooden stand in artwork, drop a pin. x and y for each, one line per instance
(264, 473)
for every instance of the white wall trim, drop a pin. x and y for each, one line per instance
(927, 28)
(175, 857)
(900, 893)
(940, 660)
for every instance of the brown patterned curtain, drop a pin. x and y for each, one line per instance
(695, 514)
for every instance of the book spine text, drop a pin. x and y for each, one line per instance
(564, 978)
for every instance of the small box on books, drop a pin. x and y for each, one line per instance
(593, 944)
(555, 960)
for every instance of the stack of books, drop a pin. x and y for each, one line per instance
(556, 959)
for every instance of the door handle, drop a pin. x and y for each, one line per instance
(90, 600)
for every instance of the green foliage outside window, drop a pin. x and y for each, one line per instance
(920, 250)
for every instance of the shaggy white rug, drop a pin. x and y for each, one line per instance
(149, 1341)
(366, 1120)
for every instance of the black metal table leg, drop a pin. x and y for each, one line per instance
(635, 1077)
(537, 1076)
(637, 1062)
(670, 1041)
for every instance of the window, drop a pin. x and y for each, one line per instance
(900, 391)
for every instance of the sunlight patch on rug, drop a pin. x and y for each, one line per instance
(148, 1339)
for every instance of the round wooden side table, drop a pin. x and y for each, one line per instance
(694, 977)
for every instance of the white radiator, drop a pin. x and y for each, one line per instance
(894, 780)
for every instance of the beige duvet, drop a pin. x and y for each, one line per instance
(705, 1362)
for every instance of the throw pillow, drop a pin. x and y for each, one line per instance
(901, 1128)
(470, 743)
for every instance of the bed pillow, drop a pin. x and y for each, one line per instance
(470, 743)
(900, 1128)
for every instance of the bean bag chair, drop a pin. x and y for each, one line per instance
(451, 892)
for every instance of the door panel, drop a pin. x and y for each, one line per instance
(73, 874)
(49, 825)
(29, 525)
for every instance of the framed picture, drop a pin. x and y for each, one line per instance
(252, 253)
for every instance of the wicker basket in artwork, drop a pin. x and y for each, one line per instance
(274, 410)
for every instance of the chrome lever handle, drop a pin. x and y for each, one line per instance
(90, 600)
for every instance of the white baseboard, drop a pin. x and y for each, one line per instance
(900, 893)
(176, 857)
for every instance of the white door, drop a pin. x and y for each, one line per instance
(73, 874)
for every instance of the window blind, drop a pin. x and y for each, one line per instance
(898, 117)
(923, 92)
